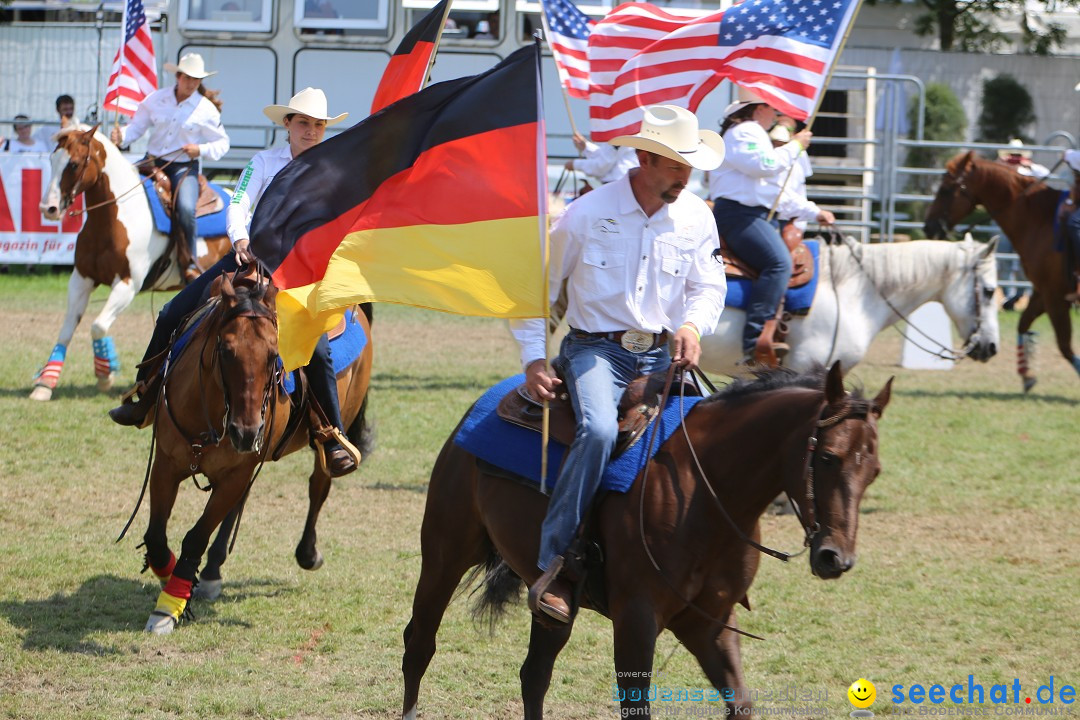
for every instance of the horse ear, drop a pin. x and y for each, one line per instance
(991, 247)
(227, 290)
(270, 294)
(87, 136)
(882, 398)
(834, 384)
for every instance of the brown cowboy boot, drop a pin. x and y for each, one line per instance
(1074, 297)
(767, 352)
(550, 594)
(339, 462)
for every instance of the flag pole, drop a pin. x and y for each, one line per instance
(438, 39)
(562, 88)
(817, 103)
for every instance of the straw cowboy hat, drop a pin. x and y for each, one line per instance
(191, 65)
(1015, 148)
(310, 102)
(744, 97)
(673, 132)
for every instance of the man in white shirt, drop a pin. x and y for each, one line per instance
(65, 109)
(185, 126)
(637, 258)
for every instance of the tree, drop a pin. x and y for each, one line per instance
(944, 119)
(1007, 108)
(970, 25)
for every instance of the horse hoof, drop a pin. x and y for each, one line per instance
(105, 384)
(209, 590)
(1029, 382)
(315, 565)
(41, 393)
(160, 624)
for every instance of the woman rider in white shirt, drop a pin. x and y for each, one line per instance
(185, 126)
(306, 119)
(743, 189)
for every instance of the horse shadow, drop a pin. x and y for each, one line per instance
(999, 395)
(62, 392)
(69, 621)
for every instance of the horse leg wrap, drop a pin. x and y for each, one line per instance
(1025, 358)
(165, 574)
(1076, 363)
(174, 598)
(106, 360)
(49, 375)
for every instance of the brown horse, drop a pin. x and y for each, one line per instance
(677, 547)
(1024, 209)
(222, 412)
(118, 245)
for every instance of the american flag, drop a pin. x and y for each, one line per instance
(134, 70)
(567, 30)
(640, 55)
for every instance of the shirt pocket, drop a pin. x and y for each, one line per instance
(671, 282)
(603, 275)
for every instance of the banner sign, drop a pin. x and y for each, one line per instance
(25, 236)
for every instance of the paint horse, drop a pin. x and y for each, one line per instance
(679, 549)
(1024, 209)
(863, 289)
(223, 411)
(118, 245)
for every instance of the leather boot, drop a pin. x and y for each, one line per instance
(552, 595)
(339, 462)
(133, 413)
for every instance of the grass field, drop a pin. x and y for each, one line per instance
(967, 565)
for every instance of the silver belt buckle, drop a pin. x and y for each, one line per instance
(636, 341)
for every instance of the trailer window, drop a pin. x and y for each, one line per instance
(340, 16)
(226, 15)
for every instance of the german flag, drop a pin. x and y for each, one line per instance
(408, 68)
(439, 202)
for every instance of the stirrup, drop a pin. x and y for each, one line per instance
(324, 436)
(544, 582)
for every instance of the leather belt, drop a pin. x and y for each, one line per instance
(635, 341)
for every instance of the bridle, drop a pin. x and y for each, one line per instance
(941, 351)
(807, 516)
(948, 193)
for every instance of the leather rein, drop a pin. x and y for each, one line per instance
(807, 516)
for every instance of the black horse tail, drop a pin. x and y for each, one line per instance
(362, 433)
(500, 586)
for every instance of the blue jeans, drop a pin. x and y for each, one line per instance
(596, 372)
(758, 242)
(185, 182)
(1072, 235)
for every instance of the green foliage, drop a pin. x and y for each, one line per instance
(971, 25)
(1007, 108)
(944, 119)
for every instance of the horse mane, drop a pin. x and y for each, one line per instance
(1013, 181)
(895, 267)
(768, 380)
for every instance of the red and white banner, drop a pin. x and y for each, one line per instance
(25, 236)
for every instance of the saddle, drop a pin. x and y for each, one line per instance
(209, 201)
(802, 262)
(639, 405)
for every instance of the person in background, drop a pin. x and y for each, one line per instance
(185, 125)
(23, 142)
(605, 162)
(795, 209)
(65, 109)
(1020, 160)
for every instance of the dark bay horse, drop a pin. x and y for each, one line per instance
(222, 412)
(1024, 209)
(117, 246)
(781, 432)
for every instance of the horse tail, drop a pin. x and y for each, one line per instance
(500, 585)
(362, 433)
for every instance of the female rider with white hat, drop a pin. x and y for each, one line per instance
(185, 125)
(743, 190)
(306, 119)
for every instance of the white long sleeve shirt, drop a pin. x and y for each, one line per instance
(629, 271)
(794, 205)
(606, 163)
(751, 165)
(173, 125)
(250, 187)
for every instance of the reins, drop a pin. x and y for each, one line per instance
(103, 203)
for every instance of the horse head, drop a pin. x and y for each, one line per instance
(247, 351)
(954, 200)
(77, 164)
(843, 462)
(969, 299)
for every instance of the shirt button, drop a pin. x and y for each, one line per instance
(644, 257)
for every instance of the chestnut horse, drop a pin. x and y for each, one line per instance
(117, 246)
(677, 547)
(222, 411)
(1024, 209)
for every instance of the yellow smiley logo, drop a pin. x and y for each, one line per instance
(862, 693)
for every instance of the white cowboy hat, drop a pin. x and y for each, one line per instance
(191, 65)
(310, 102)
(1015, 148)
(672, 131)
(743, 97)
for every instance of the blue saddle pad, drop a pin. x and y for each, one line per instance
(1059, 232)
(800, 298)
(514, 448)
(211, 225)
(344, 349)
